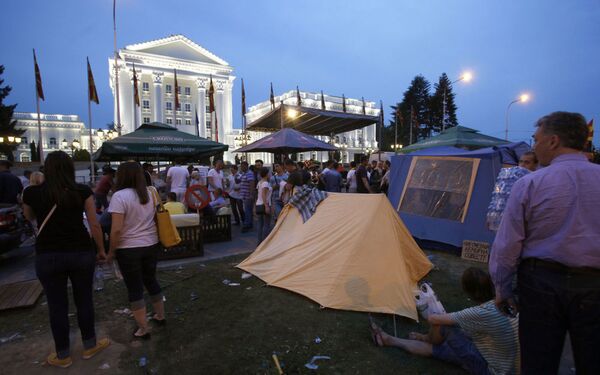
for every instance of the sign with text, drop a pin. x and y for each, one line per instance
(476, 251)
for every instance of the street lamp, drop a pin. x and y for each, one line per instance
(467, 77)
(523, 98)
(396, 147)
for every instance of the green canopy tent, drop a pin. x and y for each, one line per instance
(158, 141)
(457, 136)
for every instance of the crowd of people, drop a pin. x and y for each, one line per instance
(545, 215)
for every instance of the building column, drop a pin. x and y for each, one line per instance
(157, 96)
(125, 97)
(201, 84)
(220, 110)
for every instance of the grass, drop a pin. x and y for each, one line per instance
(236, 329)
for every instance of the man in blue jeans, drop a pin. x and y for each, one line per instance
(247, 187)
(549, 237)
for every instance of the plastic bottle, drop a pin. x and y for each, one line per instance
(98, 279)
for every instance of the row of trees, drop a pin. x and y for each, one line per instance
(421, 109)
(7, 124)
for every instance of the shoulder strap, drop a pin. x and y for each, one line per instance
(46, 220)
(156, 199)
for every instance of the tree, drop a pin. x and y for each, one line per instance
(415, 101)
(81, 155)
(7, 124)
(436, 105)
(35, 156)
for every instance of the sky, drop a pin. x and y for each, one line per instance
(373, 49)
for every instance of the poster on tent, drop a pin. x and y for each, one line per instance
(439, 186)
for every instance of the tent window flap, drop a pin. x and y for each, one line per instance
(439, 187)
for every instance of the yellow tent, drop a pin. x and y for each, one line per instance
(353, 254)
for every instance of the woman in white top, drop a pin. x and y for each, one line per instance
(134, 243)
(264, 209)
(351, 178)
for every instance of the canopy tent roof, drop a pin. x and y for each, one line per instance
(311, 121)
(457, 136)
(287, 141)
(157, 141)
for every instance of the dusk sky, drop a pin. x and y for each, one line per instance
(548, 48)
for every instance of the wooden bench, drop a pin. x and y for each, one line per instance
(216, 228)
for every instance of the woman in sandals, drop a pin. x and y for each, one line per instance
(480, 339)
(134, 243)
(64, 251)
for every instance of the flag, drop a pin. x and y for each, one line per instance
(176, 87)
(588, 147)
(197, 121)
(92, 93)
(343, 103)
(322, 101)
(380, 111)
(38, 78)
(136, 93)
(298, 98)
(364, 106)
(211, 96)
(272, 97)
(243, 99)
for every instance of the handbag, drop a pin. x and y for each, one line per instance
(260, 209)
(167, 232)
(428, 302)
(46, 220)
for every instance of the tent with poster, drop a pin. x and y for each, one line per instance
(442, 193)
(354, 253)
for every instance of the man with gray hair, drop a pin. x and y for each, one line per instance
(550, 238)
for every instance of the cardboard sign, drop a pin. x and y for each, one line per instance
(476, 251)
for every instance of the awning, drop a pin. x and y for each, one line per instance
(287, 141)
(158, 141)
(311, 121)
(457, 136)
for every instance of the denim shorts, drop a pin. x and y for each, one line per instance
(458, 348)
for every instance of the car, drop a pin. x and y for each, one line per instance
(12, 227)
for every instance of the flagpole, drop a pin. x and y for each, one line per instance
(92, 169)
(411, 124)
(116, 67)
(39, 122)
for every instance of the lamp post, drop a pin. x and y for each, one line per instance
(73, 146)
(396, 147)
(466, 76)
(522, 98)
(10, 141)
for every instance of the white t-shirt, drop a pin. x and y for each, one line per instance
(139, 228)
(217, 179)
(259, 187)
(179, 176)
(351, 178)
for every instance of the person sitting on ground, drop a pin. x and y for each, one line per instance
(173, 206)
(480, 339)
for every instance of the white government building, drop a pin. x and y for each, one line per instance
(155, 64)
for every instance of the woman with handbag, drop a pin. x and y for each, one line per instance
(263, 204)
(134, 243)
(65, 252)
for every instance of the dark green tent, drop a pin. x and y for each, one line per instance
(158, 141)
(457, 136)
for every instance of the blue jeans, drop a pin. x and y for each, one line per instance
(553, 301)
(459, 349)
(277, 207)
(264, 226)
(53, 269)
(248, 212)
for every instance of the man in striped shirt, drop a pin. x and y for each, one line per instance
(480, 339)
(246, 195)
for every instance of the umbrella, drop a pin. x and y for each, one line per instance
(287, 141)
(457, 136)
(158, 141)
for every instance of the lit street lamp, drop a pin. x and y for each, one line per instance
(466, 76)
(396, 147)
(73, 146)
(522, 98)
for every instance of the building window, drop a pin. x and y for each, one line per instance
(188, 91)
(25, 158)
(145, 86)
(52, 142)
(178, 121)
(179, 90)
(301, 157)
(169, 106)
(168, 89)
(146, 120)
(146, 104)
(188, 121)
(170, 121)
(188, 107)
(24, 141)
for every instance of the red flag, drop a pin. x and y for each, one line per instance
(92, 93)
(38, 78)
(136, 93)
(298, 98)
(272, 97)
(211, 97)
(590, 137)
(243, 99)
(343, 103)
(322, 101)
(176, 87)
(364, 106)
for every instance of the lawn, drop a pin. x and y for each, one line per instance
(214, 328)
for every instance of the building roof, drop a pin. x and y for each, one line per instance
(311, 121)
(457, 136)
